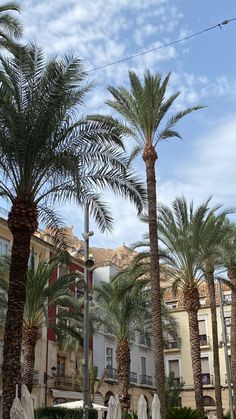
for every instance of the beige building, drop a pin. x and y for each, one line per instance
(177, 356)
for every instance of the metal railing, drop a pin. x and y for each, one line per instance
(64, 381)
(204, 340)
(111, 373)
(207, 378)
(133, 377)
(144, 340)
(146, 379)
(177, 380)
(175, 344)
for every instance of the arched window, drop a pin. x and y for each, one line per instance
(107, 397)
(208, 401)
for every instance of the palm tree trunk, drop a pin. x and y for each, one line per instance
(215, 345)
(232, 277)
(30, 338)
(192, 305)
(123, 371)
(150, 157)
(22, 222)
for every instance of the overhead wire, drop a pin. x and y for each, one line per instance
(184, 38)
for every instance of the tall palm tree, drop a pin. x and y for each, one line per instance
(48, 155)
(144, 107)
(41, 294)
(215, 229)
(122, 307)
(228, 261)
(181, 230)
(10, 27)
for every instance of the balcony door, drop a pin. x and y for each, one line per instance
(202, 332)
(109, 358)
(143, 366)
(174, 370)
(206, 378)
(61, 365)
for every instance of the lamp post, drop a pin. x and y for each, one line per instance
(224, 336)
(88, 266)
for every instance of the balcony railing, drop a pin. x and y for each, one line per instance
(111, 373)
(177, 381)
(207, 378)
(66, 381)
(146, 380)
(175, 344)
(144, 340)
(133, 376)
(204, 340)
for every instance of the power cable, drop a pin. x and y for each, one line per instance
(185, 38)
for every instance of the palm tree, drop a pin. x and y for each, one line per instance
(41, 294)
(145, 107)
(228, 261)
(122, 307)
(48, 155)
(181, 230)
(215, 229)
(10, 27)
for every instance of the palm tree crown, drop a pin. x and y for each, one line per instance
(10, 27)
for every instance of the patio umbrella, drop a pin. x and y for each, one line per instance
(142, 408)
(111, 408)
(156, 414)
(117, 410)
(27, 402)
(17, 411)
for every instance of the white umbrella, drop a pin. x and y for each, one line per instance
(142, 408)
(27, 402)
(156, 413)
(17, 411)
(117, 410)
(111, 408)
(78, 404)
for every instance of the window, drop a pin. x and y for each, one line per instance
(33, 260)
(109, 357)
(61, 365)
(171, 304)
(173, 365)
(228, 326)
(202, 332)
(202, 301)
(4, 247)
(143, 366)
(206, 379)
(227, 296)
(63, 270)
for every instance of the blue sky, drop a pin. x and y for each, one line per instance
(203, 68)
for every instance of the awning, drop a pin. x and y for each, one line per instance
(74, 395)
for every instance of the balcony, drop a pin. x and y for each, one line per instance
(204, 340)
(175, 344)
(146, 380)
(207, 379)
(133, 377)
(65, 382)
(144, 340)
(177, 381)
(111, 374)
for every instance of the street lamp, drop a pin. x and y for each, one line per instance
(47, 377)
(88, 266)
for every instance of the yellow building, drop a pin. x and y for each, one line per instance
(177, 356)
